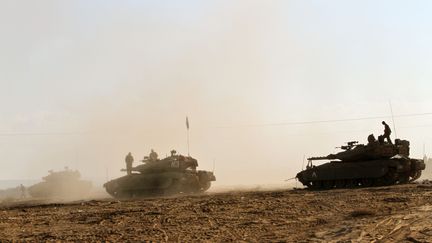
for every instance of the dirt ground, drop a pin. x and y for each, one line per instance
(384, 214)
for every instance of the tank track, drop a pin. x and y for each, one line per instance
(175, 188)
(391, 178)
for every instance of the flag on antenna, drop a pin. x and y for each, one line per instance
(187, 123)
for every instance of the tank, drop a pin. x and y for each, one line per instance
(61, 184)
(172, 175)
(359, 165)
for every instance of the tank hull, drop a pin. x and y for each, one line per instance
(159, 184)
(380, 172)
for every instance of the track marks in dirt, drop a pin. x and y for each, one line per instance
(389, 214)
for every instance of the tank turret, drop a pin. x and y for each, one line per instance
(61, 184)
(62, 175)
(172, 163)
(354, 151)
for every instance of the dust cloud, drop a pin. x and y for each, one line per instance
(155, 78)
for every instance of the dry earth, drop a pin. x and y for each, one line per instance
(385, 214)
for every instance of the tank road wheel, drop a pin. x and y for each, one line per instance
(149, 193)
(174, 188)
(122, 195)
(112, 188)
(404, 179)
(366, 182)
(315, 185)
(388, 181)
(340, 183)
(205, 186)
(391, 177)
(380, 181)
(350, 183)
(326, 185)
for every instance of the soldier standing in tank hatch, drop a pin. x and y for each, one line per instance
(129, 160)
(371, 140)
(173, 152)
(387, 132)
(153, 156)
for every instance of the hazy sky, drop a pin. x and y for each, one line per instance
(93, 80)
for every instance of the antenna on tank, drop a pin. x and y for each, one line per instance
(394, 125)
(304, 156)
(214, 163)
(187, 128)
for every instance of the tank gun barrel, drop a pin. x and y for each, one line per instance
(330, 156)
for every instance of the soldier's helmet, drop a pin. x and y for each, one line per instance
(371, 138)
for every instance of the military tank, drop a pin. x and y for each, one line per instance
(172, 175)
(61, 184)
(377, 163)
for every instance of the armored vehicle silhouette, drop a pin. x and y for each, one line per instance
(61, 184)
(171, 175)
(358, 165)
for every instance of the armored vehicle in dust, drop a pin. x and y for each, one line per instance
(172, 175)
(61, 184)
(358, 165)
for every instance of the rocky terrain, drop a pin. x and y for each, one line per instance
(383, 214)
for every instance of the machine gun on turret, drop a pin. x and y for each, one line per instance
(352, 146)
(349, 145)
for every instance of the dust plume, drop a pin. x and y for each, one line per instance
(154, 78)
